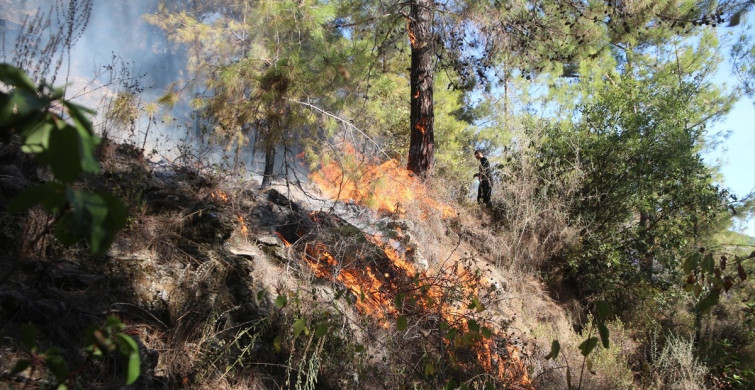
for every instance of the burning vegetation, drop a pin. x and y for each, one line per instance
(444, 308)
(380, 186)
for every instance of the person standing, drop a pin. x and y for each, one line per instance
(485, 176)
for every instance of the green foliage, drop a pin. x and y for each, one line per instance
(109, 338)
(99, 342)
(598, 319)
(743, 57)
(646, 194)
(68, 150)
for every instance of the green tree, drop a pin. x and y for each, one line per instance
(267, 66)
(647, 196)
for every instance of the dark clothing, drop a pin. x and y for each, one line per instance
(485, 188)
(484, 191)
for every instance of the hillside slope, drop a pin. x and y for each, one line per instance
(228, 286)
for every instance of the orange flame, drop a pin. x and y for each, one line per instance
(219, 195)
(420, 126)
(375, 293)
(412, 37)
(385, 186)
(244, 229)
(285, 242)
(372, 296)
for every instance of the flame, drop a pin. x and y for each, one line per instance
(375, 290)
(244, 229)
(375, 283)
(372, 295)
(285, 242)
(219, 195)
(385, 186)
(412, 37)
(416, 94)
(420, 126)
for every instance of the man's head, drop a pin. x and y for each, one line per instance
(478, 154)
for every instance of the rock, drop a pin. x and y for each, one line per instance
(246, 249)
(269, 240)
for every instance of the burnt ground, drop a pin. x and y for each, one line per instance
(205, 280)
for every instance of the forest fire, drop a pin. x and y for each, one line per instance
(219, 195)
(382, 282)
(385, 186)
(379, 273)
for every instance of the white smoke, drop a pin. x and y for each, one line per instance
(117, 52)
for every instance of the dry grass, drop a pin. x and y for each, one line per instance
(676, 367)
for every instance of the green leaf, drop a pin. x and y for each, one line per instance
(589, 366)
(476, 304)
(87, 140)
(473, 326)
(51, 195)
(486, 332)
(708, 263)
(300, 326)
(691, 262)
(588, 345)
(88, 219)
(709, 301)
(321, 330)
(20, 366)
(132, 373)
(399, 300)
(429, 368)
(603, 331)
(29, 335)
(37, 138)
(57, 366)
(126, 343)
(261, 294)
(281, 301)
(21, 110)
(13, 76)
(63, 154)
(115, 323)
(401, 323)
(359, 348)
(555, 349)
(277, 343)
(602, 309)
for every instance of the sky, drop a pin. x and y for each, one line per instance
(736, 154)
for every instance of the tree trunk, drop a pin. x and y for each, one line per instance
(267, 174)
(421, 156)
(645, 248)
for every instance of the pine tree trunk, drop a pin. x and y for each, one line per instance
(267, 174)
(421, 156)
(645, 249)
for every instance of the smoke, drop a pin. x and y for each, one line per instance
(119, 53)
